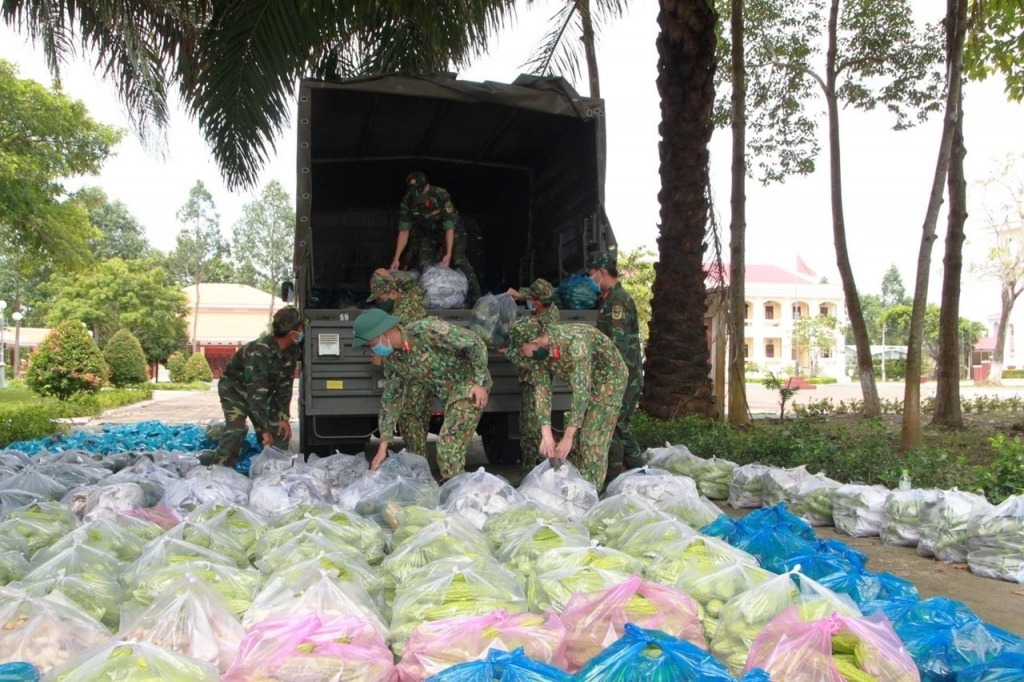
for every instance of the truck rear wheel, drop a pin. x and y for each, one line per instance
(496, 432)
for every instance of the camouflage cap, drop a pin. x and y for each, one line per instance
(522, 331)
(380, 285)
(541, 290)
(370, 324)
(286, 319)
(415, 179)
(602, 260)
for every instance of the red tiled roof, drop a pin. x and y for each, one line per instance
(763, 274)
(985, 343)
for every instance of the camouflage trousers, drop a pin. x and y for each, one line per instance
(461, 417)
(432, 247)
(236, 412)
(624, 449)
(590, 451)
(529, 427)
(414, 418)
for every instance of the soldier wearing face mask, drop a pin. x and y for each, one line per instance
(450, 360)
(256, 384)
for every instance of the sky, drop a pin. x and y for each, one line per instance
(887, 174)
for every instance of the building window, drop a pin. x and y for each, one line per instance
(746, 351)
(826, 353)
(769, 312)
(796, 312)
(823, 310)
(746, 311)
(769, 350)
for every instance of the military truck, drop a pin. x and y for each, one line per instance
(523, 163)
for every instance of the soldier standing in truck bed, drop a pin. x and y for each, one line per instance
(618, 319)
(440, 235)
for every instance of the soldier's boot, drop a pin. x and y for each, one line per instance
(232, 441)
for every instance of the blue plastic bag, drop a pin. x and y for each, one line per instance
(652, 656)
(502, 666)
(1006, 667)
(773, 545)
(840, 548)
(865, 587)
(814, 566)
(725, 528)
(577, 293)
(777, 516)
(18, 672)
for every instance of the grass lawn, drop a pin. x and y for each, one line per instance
(18, 394)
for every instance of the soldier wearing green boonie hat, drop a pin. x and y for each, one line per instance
(450, 360)
(256, 384)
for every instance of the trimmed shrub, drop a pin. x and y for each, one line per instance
(66, 363)
(822, 380)
(197, 369)
(1013, 373)
(20, 421)
(126, 360)
(176, 367)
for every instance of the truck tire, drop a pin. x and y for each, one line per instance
(499, 445)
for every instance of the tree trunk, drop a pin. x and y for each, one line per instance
(16, 362)
(195, 321)
(1008, 298)
(589, 46)
(739, 411)
(865, 367)
(677, 380)
(947, 390)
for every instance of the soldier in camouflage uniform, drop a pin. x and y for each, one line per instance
(452, 361)
(540, 301)
(429, 213)
(403, 297)
(588, 362)
(256, 384)
(618, 319)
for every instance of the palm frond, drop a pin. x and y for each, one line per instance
(560, 50)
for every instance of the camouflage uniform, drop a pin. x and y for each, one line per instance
(587, 361)
(529, 428)
(256, 384)
(450, 361)
(618, 319)
(427, 215)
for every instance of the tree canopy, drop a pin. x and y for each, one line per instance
(263, 239)
(121, 235)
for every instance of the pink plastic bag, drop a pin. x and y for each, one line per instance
(308, 647)
(161, 515)
(597, 619)
(438, 645)
(792, 650)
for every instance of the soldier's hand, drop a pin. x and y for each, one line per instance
(446, 260)
(378, 459)
(514, 293)
(564, 446)
(479, 396)
(268, 439)
(284, 429)
(547, 445)
(394, 265)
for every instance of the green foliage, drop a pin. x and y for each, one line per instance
(893, 291)
(895, 368)
(995, 44)
(117, 294)
(126, 360)
(120, 234)
(817, 334)
(33, 417)
(175, 386)
(67, 362)
(1013, 373)
(636, 272)
(197, 369)
(775, 383)
(1005, 475)
(200, 249)
(176, 367)
(19, 421)
(263, 239)
(818, 381)
(751, 367)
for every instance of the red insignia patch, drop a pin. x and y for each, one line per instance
(555, 352)
(427, 203)
(406, 346)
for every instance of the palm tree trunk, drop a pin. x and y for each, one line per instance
(865, 368)
(677, 368)
(739, 412)
(589, 46)
(947, 390)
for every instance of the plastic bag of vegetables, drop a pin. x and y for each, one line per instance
(13, 566)
(776, 516)
(443, 287)
(836, 648)
(713, 585)
(1006, 667)
(519, 514)
(745, 489)
(700, 553)
(646, 540)
(342, 470)
(491, 316)
(18, 672)
(604, 558)
(413, 519)
(477, 495)
(576, 293)
(995, 541)
(773, 545)
(901, 516)
(695, 512)
(211, 538)
(857, 509)
(597, 619)
(238, 586)
(103, 501)
(241, 523)
(944, 524)
(164, 552)
(98, 594)
(191, 619)
(14, 499)
(309, 646)
(123, 537)
(32, 481)
(379, 497)
(133, 662)
(743, 617)
(559, 487)
(553, 589)
(865, 587)
(811, 499)
(713, 477)
(302, 547)
(343, 567)
(77, 559)
(502, 666)
(271, 461)
(44, 631)
(676, 459)
(652, 485)
(652, 655)
(185, 495)
(776, 484)
(276, 494)
(40, 524)
(407, 465)
(340, 530)
(436, 646)
(523, 545)
(450, 588)
(609, 512)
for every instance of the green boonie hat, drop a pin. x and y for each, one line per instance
(370, 324)
(521, 332)
(286, 319)
(604, 260)
(415, 179)
(380, 285)
(541, 290)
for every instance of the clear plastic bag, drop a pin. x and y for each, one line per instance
(98, 594)
(73, 475)
(857, 509)
(151, 478)
(212, 538)
(944, 524)
(238, 586)
(276, 494)
(901, 523)
(407, 465)
(834, 648)
(340, 530)
(713, 477)
(221, 474)
(653, 485)
(676, 459)
(516, 516)
(510, 666)
(184, 496)
(271, 461)
(77, 559)
(644, 537)
(449, 537)
(342, 470)
(560, 488)
(995, 541)
(31, 481)
(609, 511)
(241, 523)
(435, 646)
(491, 317)
(451, 588)
(776, 484)
(700, 553)
(44, 631)
(302, 547)
(695, 512)
(191, 619)
(443, 287)
(811, 499)
(413, 519)
(380, 497)
(345, 568)
(13, 567)
(523, 545)
(311, 646)
(712, 585)
(745, 489)
(165, 551)
(123, 537)
(103, 501)
(604, 558)
(477, 495)
(597, 619)
(15, 499)
(133, 662)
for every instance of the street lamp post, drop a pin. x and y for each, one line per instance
(3, 347)
(16, 360)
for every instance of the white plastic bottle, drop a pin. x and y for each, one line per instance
(905, 481)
